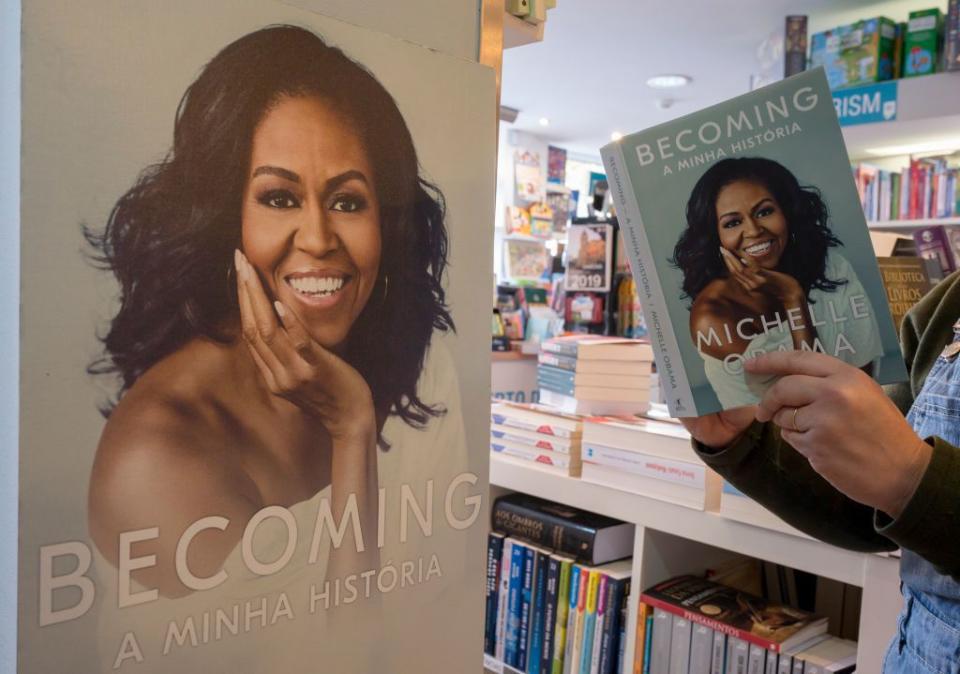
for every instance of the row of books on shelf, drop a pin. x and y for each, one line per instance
(926, 189)
(547, 614)
(557, 587)
(691, 625)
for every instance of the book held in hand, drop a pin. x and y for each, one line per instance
(745, 235)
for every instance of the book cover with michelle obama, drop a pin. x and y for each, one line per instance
(745, 236)
(253, 423)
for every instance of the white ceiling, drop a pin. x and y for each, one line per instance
(588, 75)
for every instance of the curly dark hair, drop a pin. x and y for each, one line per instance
(170, 239)
(805, 257)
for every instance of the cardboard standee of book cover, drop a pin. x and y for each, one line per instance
(250, 439)
(745, 235)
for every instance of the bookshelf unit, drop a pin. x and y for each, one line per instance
(673, 539)
(907, 226)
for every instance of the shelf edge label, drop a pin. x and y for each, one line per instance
(866, 104)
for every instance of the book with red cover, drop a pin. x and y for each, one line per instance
(735, 613)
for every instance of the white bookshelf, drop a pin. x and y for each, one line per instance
(907, 226)
(673, 539)
(928, 109)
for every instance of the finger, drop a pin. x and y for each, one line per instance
(263, 315)
(797, 419)
(300, 341)
(789, 392)
(809, 363)
(251, 333)
(264, 368)
(736, 270)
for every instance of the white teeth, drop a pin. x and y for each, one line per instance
(313, 285)
(758, 248)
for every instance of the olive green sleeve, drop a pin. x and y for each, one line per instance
(763, 466)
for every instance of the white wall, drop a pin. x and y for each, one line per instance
(450, 27)
(10, 324)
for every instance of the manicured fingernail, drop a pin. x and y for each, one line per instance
(281, 311)
(236, 262)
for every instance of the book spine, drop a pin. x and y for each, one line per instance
(577, 576)
(616, 595)
(494, 553)
(551, 603)
(568, 349)
(589, 622)
(517, 560)
(544, 529)
(556, 374)
(795, 51)
(773, 663)
(757, 660)
(738, 655)
(603, 609)
(643, 612)
(542, 428)
(576, 634)
(503, 601)
(951, 46)
(648, 643)
(680, 645)
(666, 349)
(785, 664)
(555, 360)
(718, 662)
(701, 647)
(539, 614)
(657, 468)
(563, 611)
(544, 381)
(660, 645)
(526, 605)
(701, 619)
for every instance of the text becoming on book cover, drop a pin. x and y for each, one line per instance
(771, 120)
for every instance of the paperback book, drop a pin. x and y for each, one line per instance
(745, 235)
(739, 615)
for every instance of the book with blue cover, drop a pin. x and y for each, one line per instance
(745, 235)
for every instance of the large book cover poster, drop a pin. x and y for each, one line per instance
(745, 235)
(253, 420)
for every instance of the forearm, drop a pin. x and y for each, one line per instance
(354, 484)
(929, 524)
(775, 475)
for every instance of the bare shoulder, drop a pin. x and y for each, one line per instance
(164, 463)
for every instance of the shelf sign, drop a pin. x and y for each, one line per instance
(866, 104)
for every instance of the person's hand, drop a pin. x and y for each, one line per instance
(780, 287)
(297, 368)
(843, 423)
(720, 429)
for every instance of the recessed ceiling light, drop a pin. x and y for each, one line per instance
(615, 136)
(544, 121)
(669, 81)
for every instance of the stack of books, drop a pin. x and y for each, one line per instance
(689, 625)
(593, 374)
(561, 607)
(535, 434)
(650, 457)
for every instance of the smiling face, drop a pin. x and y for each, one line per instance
(751, 223)
(310, 219)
